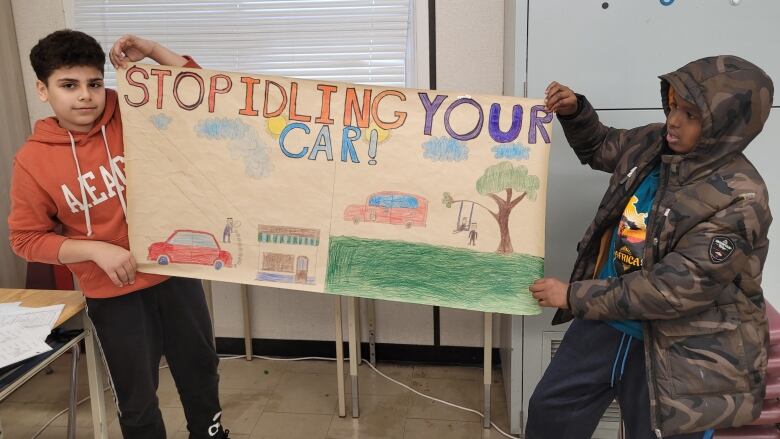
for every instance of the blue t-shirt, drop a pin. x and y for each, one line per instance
(628, 243)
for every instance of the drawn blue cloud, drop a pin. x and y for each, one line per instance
(160, 121)
(243, 145)
(253, 153)
(445, 149)
(222, 128)
(511, 151)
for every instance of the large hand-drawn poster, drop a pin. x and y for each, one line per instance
(413, 195)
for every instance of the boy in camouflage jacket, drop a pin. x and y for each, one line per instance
(671, 265)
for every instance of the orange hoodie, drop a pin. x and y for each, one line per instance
(54, 176)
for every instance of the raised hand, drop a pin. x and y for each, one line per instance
(130, 48)
(560, 99)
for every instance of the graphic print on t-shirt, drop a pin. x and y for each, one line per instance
(631, 237)
(628, 240)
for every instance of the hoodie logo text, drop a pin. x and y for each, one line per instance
(90, 191)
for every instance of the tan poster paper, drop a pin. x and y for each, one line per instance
(419, 196)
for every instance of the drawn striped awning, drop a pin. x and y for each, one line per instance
(288, 235)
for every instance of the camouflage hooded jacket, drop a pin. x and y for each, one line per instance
(698, 293)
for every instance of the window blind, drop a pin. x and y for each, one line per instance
(361, 41)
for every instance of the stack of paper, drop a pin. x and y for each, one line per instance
(23, 331)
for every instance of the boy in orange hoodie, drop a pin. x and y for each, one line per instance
(71, 172)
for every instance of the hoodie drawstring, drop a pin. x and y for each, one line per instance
(625, 356)
(614, 363)
(119, 188)
(118, 185)
(81, 185)
(623, 343)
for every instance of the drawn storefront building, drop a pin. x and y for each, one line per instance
(288, 254)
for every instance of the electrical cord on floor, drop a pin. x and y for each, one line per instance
(164, 366)
(493, 424)
(38, 433)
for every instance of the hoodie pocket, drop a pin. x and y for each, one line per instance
(704, 353)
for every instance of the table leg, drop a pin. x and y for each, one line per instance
(95, 378)
(487, 375)
(74, 385)
(245, 306)
(340, 358)
(354, 351)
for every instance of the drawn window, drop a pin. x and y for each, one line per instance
(381, 201)
(278, 262)
(201, 240)
(181, 238)
(405, 201)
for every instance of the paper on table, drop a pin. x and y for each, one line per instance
(31, 317)
(9, 305)
(17, 344)
(35, 323)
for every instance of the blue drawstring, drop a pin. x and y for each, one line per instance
(625, 356)
(614, 364)
(617, 357)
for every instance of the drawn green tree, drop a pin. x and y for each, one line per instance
(501, 182)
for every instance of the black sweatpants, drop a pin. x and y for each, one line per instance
(134, 331)
(590, 369)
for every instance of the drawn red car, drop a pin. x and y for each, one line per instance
(390, 207)
(190, 247)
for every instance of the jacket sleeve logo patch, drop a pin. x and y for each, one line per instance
(721, 248)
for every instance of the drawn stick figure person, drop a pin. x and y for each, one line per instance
(473, 235)
(228, 230)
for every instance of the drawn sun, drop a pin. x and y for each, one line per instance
(275, 125)
(381, 133)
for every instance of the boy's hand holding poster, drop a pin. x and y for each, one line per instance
(400, 194)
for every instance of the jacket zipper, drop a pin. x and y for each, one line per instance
(651, 228)
(657, 238)
(627, 176)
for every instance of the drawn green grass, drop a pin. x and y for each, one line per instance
(427, 274)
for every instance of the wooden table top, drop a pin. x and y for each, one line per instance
(73, 300)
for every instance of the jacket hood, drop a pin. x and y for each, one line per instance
(734, 96)
(50, 132)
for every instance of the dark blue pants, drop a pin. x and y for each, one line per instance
(134, 331)
(579, 385)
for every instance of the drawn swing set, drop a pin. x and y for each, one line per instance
(464, 225)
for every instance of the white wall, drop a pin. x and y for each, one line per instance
(469, 53)
(34, 19)
(469, 46)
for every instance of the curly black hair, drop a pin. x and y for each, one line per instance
(65, 48)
